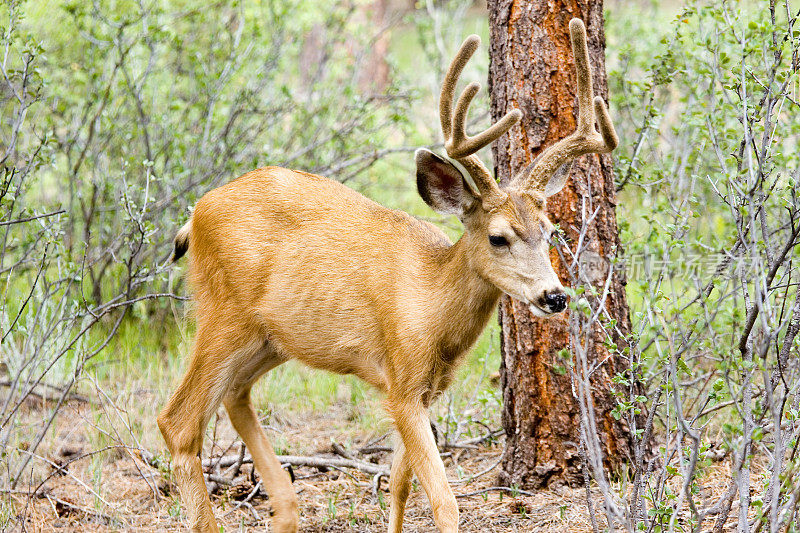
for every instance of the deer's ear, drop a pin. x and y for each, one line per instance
(440, 183)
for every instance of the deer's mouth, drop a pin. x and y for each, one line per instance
(539, 311)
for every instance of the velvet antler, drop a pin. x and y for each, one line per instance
(460, 146)
(585, 139)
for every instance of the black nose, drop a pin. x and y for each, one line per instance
(556, 301)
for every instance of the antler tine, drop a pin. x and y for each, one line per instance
(463, 55)
(585, 139)
(580, 51)
(458, 144)
(605, 125)
(461, 144)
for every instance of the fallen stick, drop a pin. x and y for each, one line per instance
(471, 444)
(514, 492)
(246, 501)
(56, 393)
(336, 462)
(340, 450)
(76, 508)
(324, 462)
(221, 480)
(297, 460)
(473, 477)
(375, 449)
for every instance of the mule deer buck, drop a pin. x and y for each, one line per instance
(288, 265)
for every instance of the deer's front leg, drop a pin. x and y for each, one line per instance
(421, 453)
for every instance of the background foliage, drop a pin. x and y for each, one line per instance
(118, 115)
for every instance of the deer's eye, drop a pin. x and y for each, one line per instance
(498, 240)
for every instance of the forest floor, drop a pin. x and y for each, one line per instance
(113, 488)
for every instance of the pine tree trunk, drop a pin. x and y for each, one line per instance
(532, 69)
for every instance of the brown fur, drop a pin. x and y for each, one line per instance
(283, 266)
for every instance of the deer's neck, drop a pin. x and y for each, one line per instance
(465, 300)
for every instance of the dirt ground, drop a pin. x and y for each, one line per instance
(115, 489)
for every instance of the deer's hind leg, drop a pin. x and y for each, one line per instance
(218, 348)
(276, 480)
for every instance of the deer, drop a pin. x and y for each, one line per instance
(290, 265)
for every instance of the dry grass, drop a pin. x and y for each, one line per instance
(115, 490)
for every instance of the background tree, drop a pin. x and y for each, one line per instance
(532, 69)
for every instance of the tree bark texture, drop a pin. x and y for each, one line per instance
(532, 69)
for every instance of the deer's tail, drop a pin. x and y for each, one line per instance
(182, 241)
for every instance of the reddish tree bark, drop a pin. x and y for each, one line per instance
(532, 69)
